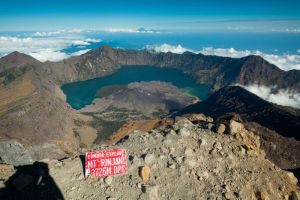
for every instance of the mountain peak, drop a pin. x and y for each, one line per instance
(106, 48)
(16, 60)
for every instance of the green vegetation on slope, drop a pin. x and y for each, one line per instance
(10, 75)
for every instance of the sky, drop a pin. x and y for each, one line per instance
(187, 15)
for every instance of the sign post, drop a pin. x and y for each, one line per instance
(105, 163)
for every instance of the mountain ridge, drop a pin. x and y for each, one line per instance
(277, 125)
(47, 108)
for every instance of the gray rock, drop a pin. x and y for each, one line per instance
(80, 177)
(149, 159)
(2, 185)
(295, 196)
(202, 142)
(179, 159)
(153, 193)
(13, 152)
(191, 162)
(218, 146)
(172, 166)
(182, 122)
(59, 164)
(221, 128)
(189, 152)
(184, 132)
(172, 132)
(210, 126)
(108, 180)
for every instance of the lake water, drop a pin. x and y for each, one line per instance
(80, 94)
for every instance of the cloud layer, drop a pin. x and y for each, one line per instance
(288, 30)
(129, 30)
(272, 94)
(46, 46)
(285, 61)
(167, 48)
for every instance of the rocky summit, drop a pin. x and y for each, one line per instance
(192, 158)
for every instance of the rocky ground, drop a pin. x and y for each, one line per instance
(193, 158)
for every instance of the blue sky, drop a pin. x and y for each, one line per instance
(255, 15)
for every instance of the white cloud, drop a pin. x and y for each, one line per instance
(49, 55)
(298, 51)
(81, 42)
(167, 48)
(54, 56)
(42, 34)
(285, 61)
(288, 30)
(78, 53)
(85, 42)
(47, 46)
(59, 32)
(230, 52)
(93, 40)
(129, 30)
(272, 94)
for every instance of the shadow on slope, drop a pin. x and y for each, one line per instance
(31, 182)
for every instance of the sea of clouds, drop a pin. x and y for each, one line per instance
(47, 46)
(285, 97)
(284, 61)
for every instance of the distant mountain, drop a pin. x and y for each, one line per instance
(278, 126)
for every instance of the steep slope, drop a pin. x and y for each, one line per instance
(277, 125)
(257, 70)
(234, 99)
(35, 121)
(181, 161)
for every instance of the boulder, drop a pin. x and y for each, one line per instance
(184, 132)
(144, 173)
(221, 128)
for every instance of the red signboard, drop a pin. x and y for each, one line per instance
(105, 163)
